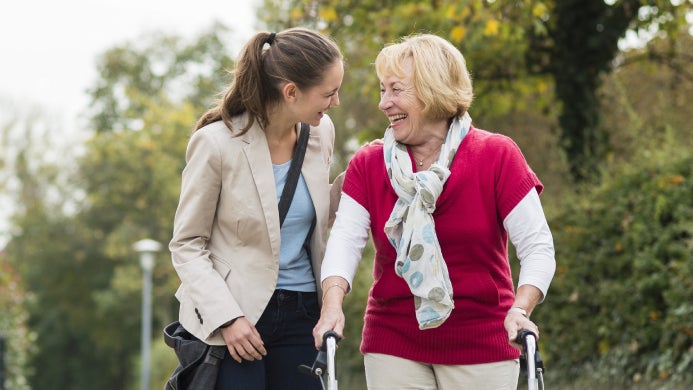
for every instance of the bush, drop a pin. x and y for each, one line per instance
(620, 307)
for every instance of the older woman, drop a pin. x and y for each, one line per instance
(441, 199)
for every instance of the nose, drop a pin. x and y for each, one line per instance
(385, 102)
(335, 100)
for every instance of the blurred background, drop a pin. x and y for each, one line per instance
(99, 99)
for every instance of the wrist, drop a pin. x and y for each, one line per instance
(227, 324)
(519, 310)
(334, 289)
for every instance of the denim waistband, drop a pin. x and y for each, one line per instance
(280, 293)
(285, 296)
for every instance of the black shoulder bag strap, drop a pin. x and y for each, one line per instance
(294, 172)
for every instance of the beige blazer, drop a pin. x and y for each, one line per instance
(225, 245)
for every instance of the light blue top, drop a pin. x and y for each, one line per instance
(295, 271)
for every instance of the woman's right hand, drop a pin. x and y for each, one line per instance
(331, 314)
(331, 318)
(243, 340)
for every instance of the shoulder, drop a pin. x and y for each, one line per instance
(487, 145)
(212, 139)
(215, 130)
(369, 154)
(220, 133)
(326, 125)
(368, 161)
(322, 138)
(486, 139)
(325, 130)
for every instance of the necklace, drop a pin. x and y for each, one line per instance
(420, 161)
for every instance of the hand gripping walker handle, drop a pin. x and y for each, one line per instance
(320, 364)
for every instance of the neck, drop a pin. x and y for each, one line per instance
(280, 125)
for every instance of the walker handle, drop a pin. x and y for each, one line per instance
(320, 364)
(327, 335)
(522, 336)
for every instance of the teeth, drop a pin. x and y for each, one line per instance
(397, 117)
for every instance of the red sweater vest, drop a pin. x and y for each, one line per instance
(489, 176)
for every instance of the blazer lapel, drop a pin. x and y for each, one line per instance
(260, 163)
(313, 165)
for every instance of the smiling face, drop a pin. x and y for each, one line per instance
(315, 101)
(402, 106)
(424, 84)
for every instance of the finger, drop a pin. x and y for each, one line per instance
(257, 343)
(234, 354)
(245, 351)
(339, 328)
(258, 347)
(514, 344)
(324, 326)
(318, 331)
(251, 353)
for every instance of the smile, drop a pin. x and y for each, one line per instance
(395, 118)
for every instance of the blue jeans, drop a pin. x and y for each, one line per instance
(286, 328)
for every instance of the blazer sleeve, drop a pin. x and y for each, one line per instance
(194, 218)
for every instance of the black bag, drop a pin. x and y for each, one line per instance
(198, 362)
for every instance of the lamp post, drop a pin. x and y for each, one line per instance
(146, 249)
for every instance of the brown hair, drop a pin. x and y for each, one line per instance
(296, 55)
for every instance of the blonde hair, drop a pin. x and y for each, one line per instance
(439, 73)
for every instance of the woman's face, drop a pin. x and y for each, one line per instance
(400, 103)
(315, 101)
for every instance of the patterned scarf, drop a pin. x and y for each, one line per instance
(411, 229)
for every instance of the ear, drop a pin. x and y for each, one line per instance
(290, 92)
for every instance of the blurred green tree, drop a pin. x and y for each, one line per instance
(514, 48)
(577, 47)
(192, 72)
(76, 218)
(78, 214)
(16, 338)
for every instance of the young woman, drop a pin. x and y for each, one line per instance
(247, 282)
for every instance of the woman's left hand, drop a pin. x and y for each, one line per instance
(514, 321)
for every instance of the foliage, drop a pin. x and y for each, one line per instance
(578, 51)
(74, 228)
(647, 98)
(515, 50)
(491, 35)
(160, 68)
(620, 306)
(75, 219)
(15, 337)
